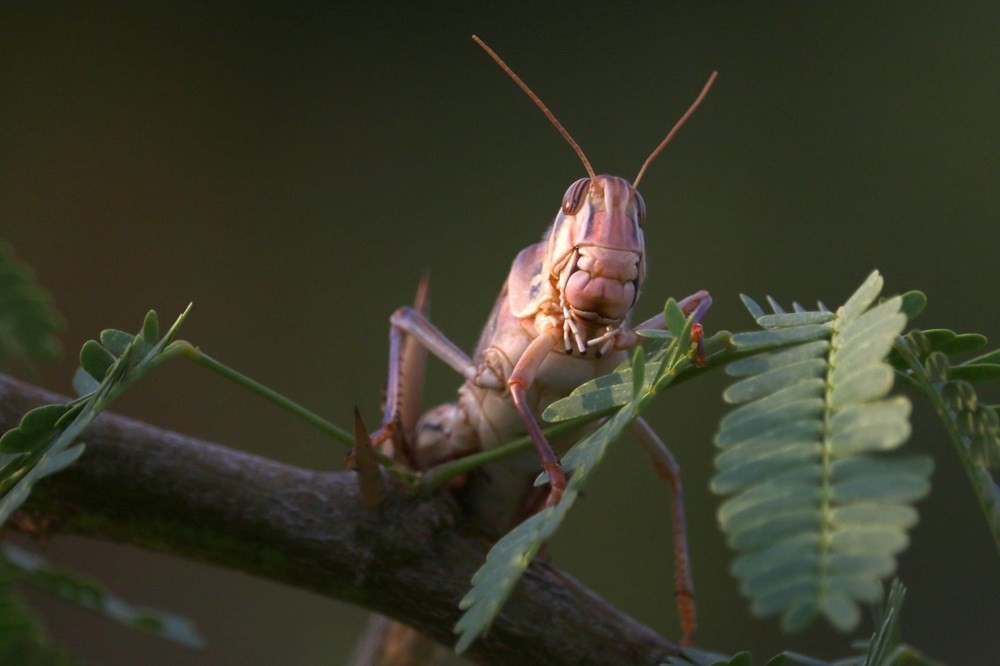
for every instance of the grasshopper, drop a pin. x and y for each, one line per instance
(560, 319)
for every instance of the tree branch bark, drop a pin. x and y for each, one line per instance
(411, 561)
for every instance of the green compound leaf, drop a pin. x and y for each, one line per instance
(22, 639)
(973, 427)
(37, 572)
(28, 322)
(819, 499)
(604, 394)
(44, 443)
(509, 557)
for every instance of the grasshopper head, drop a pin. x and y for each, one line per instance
(596, 258)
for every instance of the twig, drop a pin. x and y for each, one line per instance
(411, 561)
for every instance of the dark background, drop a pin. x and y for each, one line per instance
(292, 171)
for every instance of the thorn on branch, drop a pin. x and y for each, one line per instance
(362, 460)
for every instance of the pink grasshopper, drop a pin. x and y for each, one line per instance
(560, 319)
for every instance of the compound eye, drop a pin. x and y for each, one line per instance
(640, 209)
(575, 196)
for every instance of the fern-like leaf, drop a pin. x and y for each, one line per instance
(510, 556)
(819, 505)
(22, 639)
(28, 322)
(613, 390)
(45, 441)
(925, 358)
(35, 571)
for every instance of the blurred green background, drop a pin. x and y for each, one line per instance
(293, 170)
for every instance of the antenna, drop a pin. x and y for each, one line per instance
(545, 109)
(677, 126)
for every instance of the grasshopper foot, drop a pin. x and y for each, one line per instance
(557, 483)
(698, 340)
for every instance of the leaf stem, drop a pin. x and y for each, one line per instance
(190, 352)
(442, 474)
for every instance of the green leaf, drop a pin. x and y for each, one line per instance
(602, 394)
(590, 402)
(775, 306)
(913, 304)
(693, 656)
(936, 337)
(84, 383)
(741, 659)
(786, 320)
(752, 307)
(862, 298)
(992, 358)
(779, 337)
(37, 428)
(151, 327)
(74, 409)
(675, 318)
(937, 367)
(819, 502)
(975, 372)
(766, 383)
(510, 556)
(638, 371)
(963, 344)
(95, 359)
(886, 638)
(42, 418)
(37, 572)
(754, 365)
(116, 341)
(22, 640)
(50, 433)
(654, 333)
(947, 342)
(19, 441)
(28, 322)
(972, 427)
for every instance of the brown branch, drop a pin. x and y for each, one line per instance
(412, 561)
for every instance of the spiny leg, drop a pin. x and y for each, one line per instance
(411, 335)
(413, 362)
(404, 386)
(519, 382)
(668, 470)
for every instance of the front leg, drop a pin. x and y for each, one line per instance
(410, 335)
(520, 380)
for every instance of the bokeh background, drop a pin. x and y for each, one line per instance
(292, 170)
